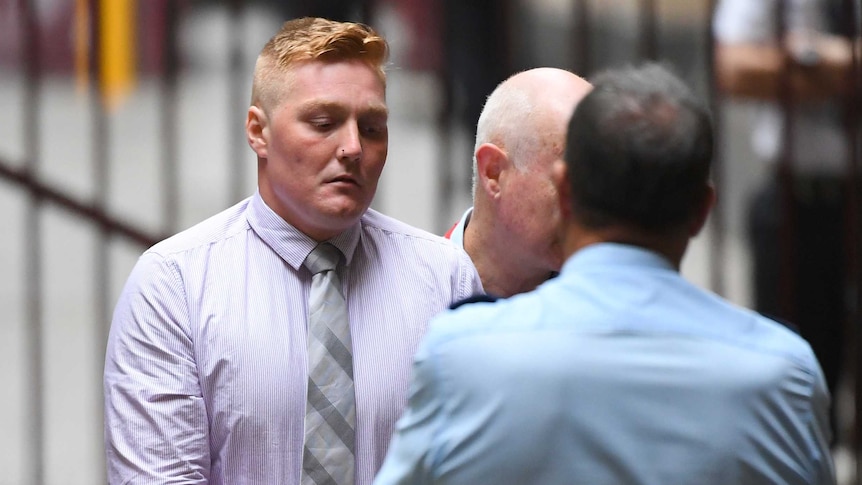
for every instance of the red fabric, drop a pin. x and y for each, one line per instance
(448, 234)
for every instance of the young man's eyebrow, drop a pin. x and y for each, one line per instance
(373, 110)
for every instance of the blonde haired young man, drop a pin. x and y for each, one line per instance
(207, 370)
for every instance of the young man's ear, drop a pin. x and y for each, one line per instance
(561, 183)
(257, 131)
(491, 160)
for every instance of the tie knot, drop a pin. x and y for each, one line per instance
(322, 258)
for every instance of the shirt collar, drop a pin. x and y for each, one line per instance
(457, 236)
(289, 242)
(614, 254)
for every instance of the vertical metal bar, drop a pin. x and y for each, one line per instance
(443, 123)
(101, 189)
(33, 240)
(445, 176)
(787, 230)
(852, 13)
(366, 11)
(506, 15)
(648, 46)
(717, 219)
(168, 115)
(583, 61)
(100, 175)
(236, 102)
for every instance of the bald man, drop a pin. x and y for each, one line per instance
(512, 231)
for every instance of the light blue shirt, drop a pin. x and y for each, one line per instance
(206, 368)
(616, 372)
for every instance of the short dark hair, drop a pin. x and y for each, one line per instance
(639, 150)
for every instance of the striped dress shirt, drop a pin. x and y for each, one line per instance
(206, 367)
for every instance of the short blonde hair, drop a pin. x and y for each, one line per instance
(313, 39)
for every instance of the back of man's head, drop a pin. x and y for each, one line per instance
(638, 151)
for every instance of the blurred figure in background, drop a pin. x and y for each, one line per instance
(235, 355)
(512, 232)
(799, 215)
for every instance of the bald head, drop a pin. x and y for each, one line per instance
(530, 110)
(516, 214)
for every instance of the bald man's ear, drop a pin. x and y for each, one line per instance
(490, 163)
(559, 175)
(257, 131)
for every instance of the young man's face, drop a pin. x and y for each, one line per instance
(324, 146)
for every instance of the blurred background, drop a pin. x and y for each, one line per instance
(121, 122)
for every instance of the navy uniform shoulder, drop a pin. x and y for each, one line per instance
(473, 299)
(790, 325)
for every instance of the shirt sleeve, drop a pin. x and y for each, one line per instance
(155, 418)
(410, 458)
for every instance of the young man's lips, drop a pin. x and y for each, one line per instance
(345, 180)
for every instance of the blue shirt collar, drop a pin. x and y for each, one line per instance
(614, 254)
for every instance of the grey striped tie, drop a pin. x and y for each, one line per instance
(330, 415)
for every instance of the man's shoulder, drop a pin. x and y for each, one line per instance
(782, 337)
(483, 316)
(218, 227)
(734, 326)
(386, 228)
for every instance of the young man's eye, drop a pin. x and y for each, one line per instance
(374, 130)
(322, 123)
